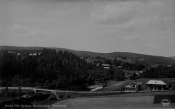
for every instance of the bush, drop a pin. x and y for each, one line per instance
(60, 96)
(2, 93)
(52, 97)
(66, 96)
(27, 92)
(43, 96)
(15, 92)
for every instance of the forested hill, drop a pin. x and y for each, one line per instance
(62, 69)
(49, 69)
(142, 58)
(52, 69)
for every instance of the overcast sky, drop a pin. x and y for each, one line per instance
(140, 26)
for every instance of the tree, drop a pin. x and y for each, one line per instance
(118, 75)
(134, 76)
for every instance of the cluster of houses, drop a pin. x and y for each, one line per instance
(147, 85)
(157, 65)
(129, 73)
(98, 59)
(153, 85)
(19, 54)
(34, 54)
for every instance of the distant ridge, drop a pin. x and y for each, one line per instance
(173, 57)
(142, 58)
(77, 52)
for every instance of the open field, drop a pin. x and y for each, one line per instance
(117, 86)
(120, 101)
(110, 103)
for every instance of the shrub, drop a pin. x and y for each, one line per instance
(60, 96)
(2, 93)
(12, 93)
(15, 92)
(43, 96)
(66, 96)
(27, 92)
(52, 97)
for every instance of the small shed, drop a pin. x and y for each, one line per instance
(155, 85)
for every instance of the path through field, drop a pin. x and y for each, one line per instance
(110, 103)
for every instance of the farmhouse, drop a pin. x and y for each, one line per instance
(106, 66)
(34, 54)
(129, 73)
(119, 67)
(155, 85)
(134, 86)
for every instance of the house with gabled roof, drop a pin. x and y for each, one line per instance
(155, 85)
(134, 86)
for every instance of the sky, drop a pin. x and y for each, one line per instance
(138, 26)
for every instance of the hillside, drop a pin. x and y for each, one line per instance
(173, 57)
(142, 58)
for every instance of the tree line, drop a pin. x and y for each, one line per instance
(160, 71)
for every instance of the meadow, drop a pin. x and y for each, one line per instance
(110, 102)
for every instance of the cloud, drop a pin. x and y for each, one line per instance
(23, 31)
(88, 0)
(154, 4)
(116, 13)
(92, 0)
(133, 16)
(57, 12)
(66, 0)
(142, 25)
(121, 12)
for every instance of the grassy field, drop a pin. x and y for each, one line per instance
(121, 101)
(110, 103)
(117, 86)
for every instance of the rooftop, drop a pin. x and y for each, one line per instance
(158, 82)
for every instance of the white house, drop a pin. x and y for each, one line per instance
(106, 66)
(134, 86)
(155, 85)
